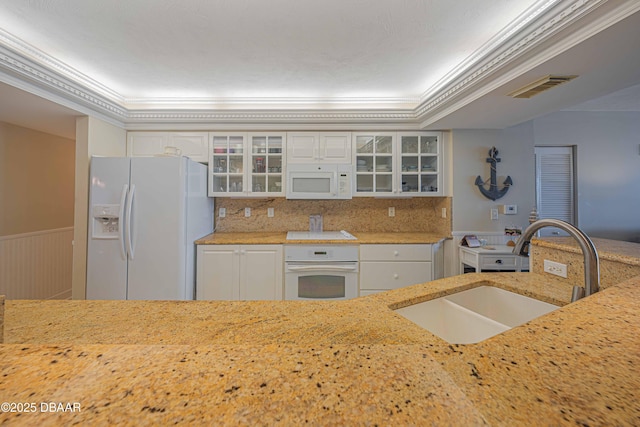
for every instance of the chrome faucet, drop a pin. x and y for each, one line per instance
(591, 260)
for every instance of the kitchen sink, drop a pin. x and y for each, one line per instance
(476, 314)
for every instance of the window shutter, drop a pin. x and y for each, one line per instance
(555, 184)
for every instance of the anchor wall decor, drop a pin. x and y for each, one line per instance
(493, 192)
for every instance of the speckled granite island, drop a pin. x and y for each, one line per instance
(322, 363)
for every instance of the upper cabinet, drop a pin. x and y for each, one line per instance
(420, 163)
(375, 163)
(246, 164)
(190, 144)
(319, 147)
(395, 164)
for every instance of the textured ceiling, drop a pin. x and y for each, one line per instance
(248, 49)
(421, 64)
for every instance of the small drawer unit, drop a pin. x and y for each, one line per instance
(492, 258)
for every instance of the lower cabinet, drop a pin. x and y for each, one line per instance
(386, 267)
(239, 272)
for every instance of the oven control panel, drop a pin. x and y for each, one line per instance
(321, 253)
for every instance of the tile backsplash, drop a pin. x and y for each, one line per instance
(419, 214)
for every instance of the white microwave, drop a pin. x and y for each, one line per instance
(330, 181)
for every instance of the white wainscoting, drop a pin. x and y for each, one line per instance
(37, 265)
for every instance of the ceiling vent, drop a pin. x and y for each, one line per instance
(541, 85)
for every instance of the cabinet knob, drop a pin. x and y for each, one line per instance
(242, 252)
(395, 276)
(396, 253)
(498, 261)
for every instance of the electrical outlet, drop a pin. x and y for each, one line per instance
(270, 212)
(555, 268)
(247, 212)
(494, 214)
(222, 212)
(444, 212)
(392, 211)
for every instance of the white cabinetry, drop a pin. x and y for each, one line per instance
(246, 164)
(319, 147)
(386, 267)
(497, 258)
(398, 163)
(239, 272)
(191, 144)
(375, 163)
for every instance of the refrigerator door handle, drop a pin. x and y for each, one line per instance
(129, 222)
(121, 230)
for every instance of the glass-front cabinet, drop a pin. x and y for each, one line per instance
(398, 163)
(246, 164)
(420, 163)
(375, 165)
(266, 163)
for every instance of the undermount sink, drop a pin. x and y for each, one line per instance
(476, 314)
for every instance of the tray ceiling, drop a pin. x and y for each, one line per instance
(334, 60)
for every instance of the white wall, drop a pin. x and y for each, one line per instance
(471, 210)
(608, 168)
(93, 137)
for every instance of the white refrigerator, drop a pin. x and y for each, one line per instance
(144, 215)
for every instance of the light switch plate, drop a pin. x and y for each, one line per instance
(270, 212)
(392, 211)
(222, 212)
(494, 214)
(247, 212)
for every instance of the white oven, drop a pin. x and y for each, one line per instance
(321, 272)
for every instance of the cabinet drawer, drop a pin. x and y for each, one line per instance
(392, 275)
(395, 252)
(495, 262)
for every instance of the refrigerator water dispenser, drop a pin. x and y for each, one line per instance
(106, 221)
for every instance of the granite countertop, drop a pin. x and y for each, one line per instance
(280, 238)
(355, 361)
(612, 250)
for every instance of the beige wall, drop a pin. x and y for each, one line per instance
(360, 214)
(93, 137)
(36, 180)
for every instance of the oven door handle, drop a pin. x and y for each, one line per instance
(321, 268)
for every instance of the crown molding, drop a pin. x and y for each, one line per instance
(476, 76)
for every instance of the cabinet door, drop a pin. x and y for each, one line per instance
(302, 147)
(192, 144)
(375, 163)
(420, 163)
(319, 147)
(146, 143)
(393, 275)
(266, 166)
(227, 164)
(217, 272)
(261, 272)
(335, 147)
